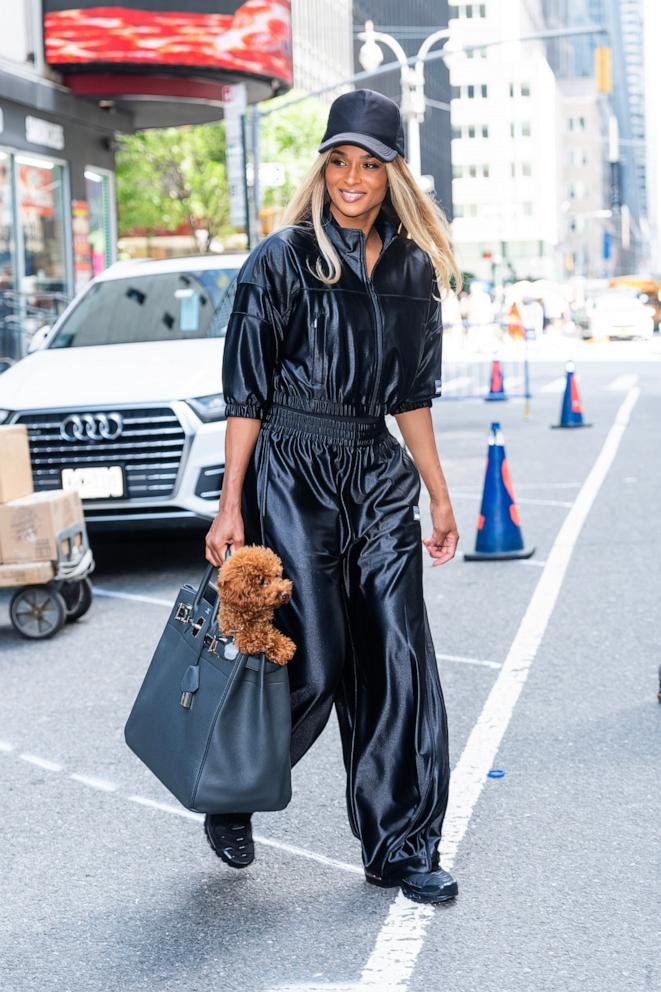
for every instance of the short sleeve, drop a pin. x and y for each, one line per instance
(428, 374)
(255, 330)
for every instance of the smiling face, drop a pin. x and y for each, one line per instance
(357, 184)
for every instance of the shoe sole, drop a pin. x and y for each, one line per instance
(223, 858)
(419, 897)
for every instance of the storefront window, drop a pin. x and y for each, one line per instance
(7, 260)
(97, 186)
(41, 216)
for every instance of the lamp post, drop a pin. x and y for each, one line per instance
(412, 80)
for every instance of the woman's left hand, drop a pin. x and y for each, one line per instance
(442, 544)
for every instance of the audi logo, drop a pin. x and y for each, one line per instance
(92, 427)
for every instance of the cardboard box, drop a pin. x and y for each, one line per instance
(15, 468)
(29, 527)
(32, 573)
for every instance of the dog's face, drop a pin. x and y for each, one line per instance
(252, 577)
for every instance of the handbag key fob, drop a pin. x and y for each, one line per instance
(190, 683)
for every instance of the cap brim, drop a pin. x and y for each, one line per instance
(365, 141)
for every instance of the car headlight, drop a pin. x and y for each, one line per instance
(209, 408)
(4, 415)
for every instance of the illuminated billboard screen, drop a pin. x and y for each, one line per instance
(252, 37)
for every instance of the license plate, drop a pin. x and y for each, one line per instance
(100, 482)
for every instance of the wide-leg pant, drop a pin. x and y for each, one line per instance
(337, 499)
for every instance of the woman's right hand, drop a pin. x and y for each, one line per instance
(227, 528)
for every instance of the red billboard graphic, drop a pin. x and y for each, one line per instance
(252, 37)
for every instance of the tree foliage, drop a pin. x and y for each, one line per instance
(176, 178)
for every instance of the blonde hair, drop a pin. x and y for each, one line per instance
(420, 219)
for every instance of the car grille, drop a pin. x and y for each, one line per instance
(149, 449)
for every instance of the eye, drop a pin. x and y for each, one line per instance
(337, 161)
(372, 165)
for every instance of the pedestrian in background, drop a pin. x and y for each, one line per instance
(337, 323)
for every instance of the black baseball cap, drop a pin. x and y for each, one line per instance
(367, 119)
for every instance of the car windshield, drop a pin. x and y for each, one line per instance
(168, 306)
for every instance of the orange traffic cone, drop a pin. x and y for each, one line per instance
(515, 324)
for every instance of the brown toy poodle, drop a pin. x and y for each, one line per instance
(251, 587)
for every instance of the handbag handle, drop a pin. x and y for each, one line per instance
(205, 581)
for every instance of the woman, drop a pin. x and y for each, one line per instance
(336, 323)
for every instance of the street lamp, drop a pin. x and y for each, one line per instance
(412, 81)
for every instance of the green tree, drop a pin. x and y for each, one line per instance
(177, 175)
(173, 176)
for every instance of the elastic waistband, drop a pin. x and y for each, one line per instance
(354, 430)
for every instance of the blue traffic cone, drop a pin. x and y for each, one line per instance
(571, 414)
(496, 383)
(499, 534)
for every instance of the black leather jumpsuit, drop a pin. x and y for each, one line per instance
(335, 495)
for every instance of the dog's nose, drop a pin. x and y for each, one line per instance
(284, 596)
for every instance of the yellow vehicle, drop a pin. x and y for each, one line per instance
(649, 291)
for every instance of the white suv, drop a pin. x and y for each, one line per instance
(122, 396)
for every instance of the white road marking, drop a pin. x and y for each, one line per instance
(132, 596)
(302, 852)
(400, 940)
(554, 386)
(468, 661)
(622, 383)
(549, 485)
(95, 783)
(104, 786)
(532, 500)
(34, 759)
(188, 814)
(451, 385)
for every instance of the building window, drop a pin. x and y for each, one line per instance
(485, 171)
(471, 130)
(525, 129)
(456, 92)
(512, 129)
(470, 92)
(513, 169)
(526, 169)
(525, 89)
(485, 131)
(483, 90)
(40, 186)
(456, 132)
(457, 171)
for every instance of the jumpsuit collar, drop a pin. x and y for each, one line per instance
(350, 241)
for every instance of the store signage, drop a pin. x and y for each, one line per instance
(45, 133)
(252, 37)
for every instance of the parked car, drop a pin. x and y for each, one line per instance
(618, 313)
(122, 395)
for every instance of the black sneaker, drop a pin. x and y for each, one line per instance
(230, 836)
(429, 886)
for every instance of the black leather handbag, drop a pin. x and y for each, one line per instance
(214, 725)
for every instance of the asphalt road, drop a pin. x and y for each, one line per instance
(108, 885)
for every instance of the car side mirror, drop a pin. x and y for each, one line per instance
(39, 338)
